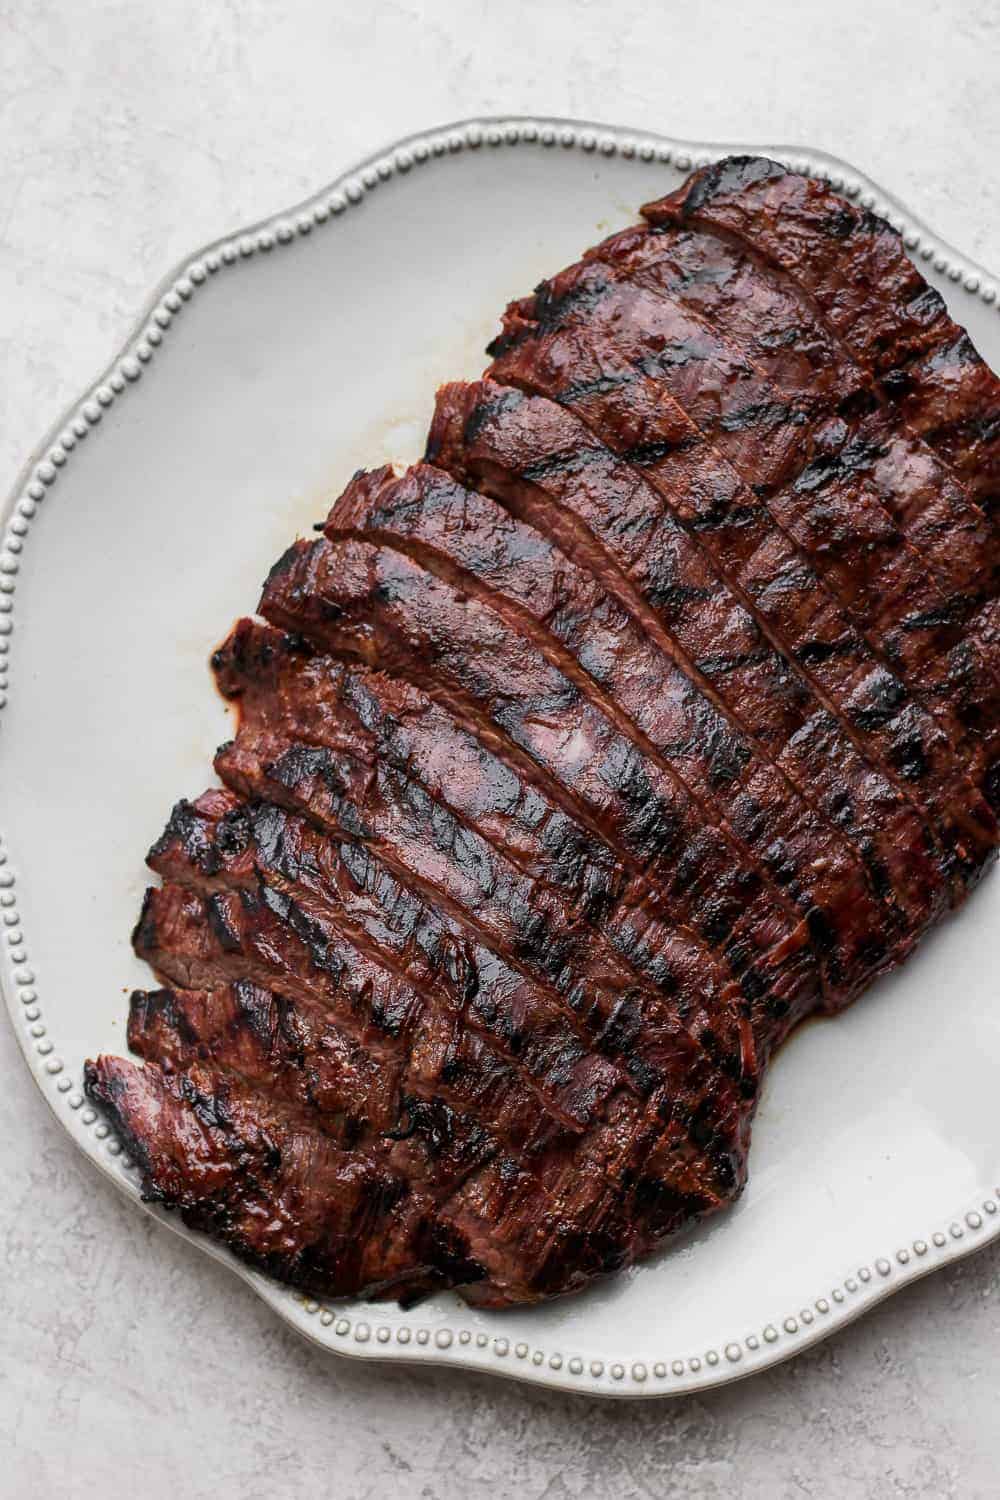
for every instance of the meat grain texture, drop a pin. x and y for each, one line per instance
(656, 709)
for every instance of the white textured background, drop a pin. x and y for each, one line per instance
(130, 132)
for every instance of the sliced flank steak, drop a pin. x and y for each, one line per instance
(657, 708)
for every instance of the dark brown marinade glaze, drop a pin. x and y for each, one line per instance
(581, 1019)
(851, 269)
(276, 1189)
(578, 1039)
(766, 316)
(754, 431)
(297, 696)
(376, 604)
(194, 939)
(472, 542)
(290, 1048)
(878, 513)
(205, 939)
(294, 1054)
(629, 410)
(543, 464)
(854, 268)
(538, 893)
(326, 892)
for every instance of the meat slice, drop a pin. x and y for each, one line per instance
(198, 942)
(574, 1052)
(633, 674)
(543, 1006)
(545, 466)
(884, 518)
(767, 317)
(297, 696)
(880, 583)
(452, 791)
(853, 267)
(285, 1197)
(294, 1053)
(845, 417)
(293, 1049)
(357, 599)
(444, 1163)
(628, 409)
(546, 1066)
(653, 1165)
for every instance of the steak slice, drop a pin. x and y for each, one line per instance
(470, 541)
(193, 941)
(630, 411)
(357, 599)
(544, 1068)
(296, 1054)
(293, 1049)
(852, 266)
(913, 576)
(768, 318)
(906, 625)
(543, 1014)
(457, 793)
(651, 1167)
(516, 446)
(285, 1197)
(286, 690)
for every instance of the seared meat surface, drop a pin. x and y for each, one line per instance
(656, 709)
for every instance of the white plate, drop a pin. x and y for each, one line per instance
(266, 370)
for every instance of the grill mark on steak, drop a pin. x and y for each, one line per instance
(871, 297)
(379, 720)
(356, 599)
(295, 1054)
(317, 702)
(612, 519)
(924, 370)
(583, 983)
(630, 324)
(178, 937)
(375, 1007)
(284, 1197)
(615, 1039)
(299, 1059)
(470, 541)
(291, 1048)
(913, 574)
(404, 939)
(789, 600)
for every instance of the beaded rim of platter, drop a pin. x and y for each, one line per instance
(340, 1327)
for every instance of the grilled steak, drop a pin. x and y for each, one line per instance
(852, 265)
(626, 372)
(540, 461)
(655, 710)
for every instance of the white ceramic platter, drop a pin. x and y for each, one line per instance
(267, 369)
